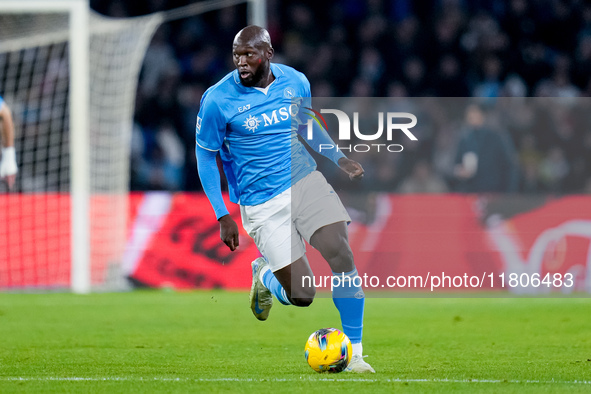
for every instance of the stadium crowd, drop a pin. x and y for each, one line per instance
(486, 49)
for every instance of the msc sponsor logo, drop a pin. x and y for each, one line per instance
(272, 117)
(252, 123)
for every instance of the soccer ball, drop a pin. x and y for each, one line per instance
(328, 350)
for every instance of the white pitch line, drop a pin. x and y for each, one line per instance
(253, 380)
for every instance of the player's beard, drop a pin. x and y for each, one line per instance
(254, 79)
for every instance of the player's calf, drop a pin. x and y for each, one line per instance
(333, 244)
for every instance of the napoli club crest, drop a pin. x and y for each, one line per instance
(289, 93)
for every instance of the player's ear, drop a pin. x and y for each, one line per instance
(270, 52)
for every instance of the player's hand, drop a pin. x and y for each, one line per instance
(8, 167)
(352, 168)
(229, 232)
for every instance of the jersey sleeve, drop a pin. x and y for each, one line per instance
(306, 97)
(1, 101)
(210, 180)
(210, 129)
(320, 135)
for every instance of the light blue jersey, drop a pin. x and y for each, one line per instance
(252, 129)
(1, 101)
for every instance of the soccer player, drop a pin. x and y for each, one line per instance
(8, 167)
(247, 118)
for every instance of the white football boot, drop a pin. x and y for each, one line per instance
(261, 299)
(358, 365)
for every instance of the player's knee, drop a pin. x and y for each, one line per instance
(303, 302)
(345, 253)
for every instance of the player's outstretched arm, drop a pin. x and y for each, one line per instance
(321, 138)
(210, 180)
(8, 167)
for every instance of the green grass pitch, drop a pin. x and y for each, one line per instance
(208, 341)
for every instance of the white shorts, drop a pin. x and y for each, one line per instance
(280, 225)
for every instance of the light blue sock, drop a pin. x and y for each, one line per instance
(271, 283)
(349, 299)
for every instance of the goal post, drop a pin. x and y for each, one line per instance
(70, 77)
(257, 13)
(79, 145)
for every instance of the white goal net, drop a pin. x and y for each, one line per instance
(36, 218)
(70, 78)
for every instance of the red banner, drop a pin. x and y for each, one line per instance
(185, 251)
(34, 240)
(173, 240)
(417, 235)
(554, 238)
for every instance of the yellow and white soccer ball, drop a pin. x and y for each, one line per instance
(328, 350)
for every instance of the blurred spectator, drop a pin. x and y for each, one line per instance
(423, 180)
(485, 160)
(530, 158)
(158, 60)
(413, 73)
(553, 169)
(444, 154)
(450, 81)
(371, 66)
(485, 48)
(361, 88)
(490, 85)
(514, 86)
(156, 172)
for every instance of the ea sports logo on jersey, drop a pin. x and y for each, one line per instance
(252, 123)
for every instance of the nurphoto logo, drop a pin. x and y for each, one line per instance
(390, 122)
